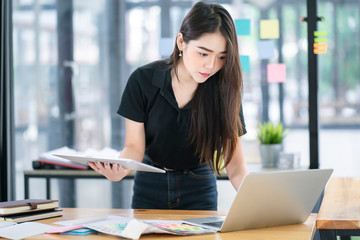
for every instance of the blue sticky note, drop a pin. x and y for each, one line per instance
(166, 46)
(245, 63)
(266, 49)
(242, 27)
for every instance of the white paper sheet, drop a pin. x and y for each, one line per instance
(6, 224)
(24, 230)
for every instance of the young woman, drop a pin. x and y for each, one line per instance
(184, 115)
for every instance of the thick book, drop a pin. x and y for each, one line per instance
(27, 206)
(32, 216)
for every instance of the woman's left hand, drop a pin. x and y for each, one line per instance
(113, 172)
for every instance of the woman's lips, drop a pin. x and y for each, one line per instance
(205, 74)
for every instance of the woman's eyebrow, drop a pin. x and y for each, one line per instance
(209, 50)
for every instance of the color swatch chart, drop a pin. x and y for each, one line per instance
(112, 227)
(178, 228)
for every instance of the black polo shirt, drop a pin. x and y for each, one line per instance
(149, 98)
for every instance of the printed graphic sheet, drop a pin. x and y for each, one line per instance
(133, 228)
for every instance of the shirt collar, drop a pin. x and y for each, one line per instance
(161, 75)
(162, 80)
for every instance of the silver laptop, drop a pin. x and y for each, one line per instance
(271, 199)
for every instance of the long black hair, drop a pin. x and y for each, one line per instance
(215, 120)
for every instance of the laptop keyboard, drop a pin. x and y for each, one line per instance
(214, 224)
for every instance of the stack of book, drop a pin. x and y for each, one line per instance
(29, 210)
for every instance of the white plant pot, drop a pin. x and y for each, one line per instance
(270, 154)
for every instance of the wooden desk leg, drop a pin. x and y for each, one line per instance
(345, 238)
(345, 234)
(327, 234)
(341, 234)
(26, 187)
(48, 187)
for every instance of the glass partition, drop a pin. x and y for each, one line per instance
(69, 73)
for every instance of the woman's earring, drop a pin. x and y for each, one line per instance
(180, 54)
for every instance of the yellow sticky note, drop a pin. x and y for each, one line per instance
(269, 29)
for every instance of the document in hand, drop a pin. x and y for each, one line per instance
(124, 162)
(26, 206)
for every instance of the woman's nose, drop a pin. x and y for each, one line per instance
(210, 63)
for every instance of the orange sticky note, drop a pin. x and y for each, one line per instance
(320, 45)
(276, 72)
(320, 50)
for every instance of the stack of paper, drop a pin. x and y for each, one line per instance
(129, 227)
(50, 158)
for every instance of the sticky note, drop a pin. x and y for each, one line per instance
(269, 29)
(320, 33)
(266, 49)
(318, 40)
(166, 46)
(320, 50)
(276, 72)
(245, 63)
(242, 27)
(320, 45)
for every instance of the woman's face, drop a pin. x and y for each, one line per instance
(202, 57)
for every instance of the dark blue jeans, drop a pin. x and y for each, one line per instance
(192, 189)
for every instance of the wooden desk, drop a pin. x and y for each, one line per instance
(296, 232)
(339, 214)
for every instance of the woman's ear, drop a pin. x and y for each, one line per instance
(180, 41)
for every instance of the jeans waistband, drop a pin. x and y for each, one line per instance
(152, 163)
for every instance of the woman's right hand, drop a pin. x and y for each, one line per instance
(134, 148)
(113, 172)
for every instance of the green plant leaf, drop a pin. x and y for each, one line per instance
(270, 133)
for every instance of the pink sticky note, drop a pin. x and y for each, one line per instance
(276, 72)
(64, 229)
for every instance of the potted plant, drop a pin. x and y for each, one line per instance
(271, 137)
